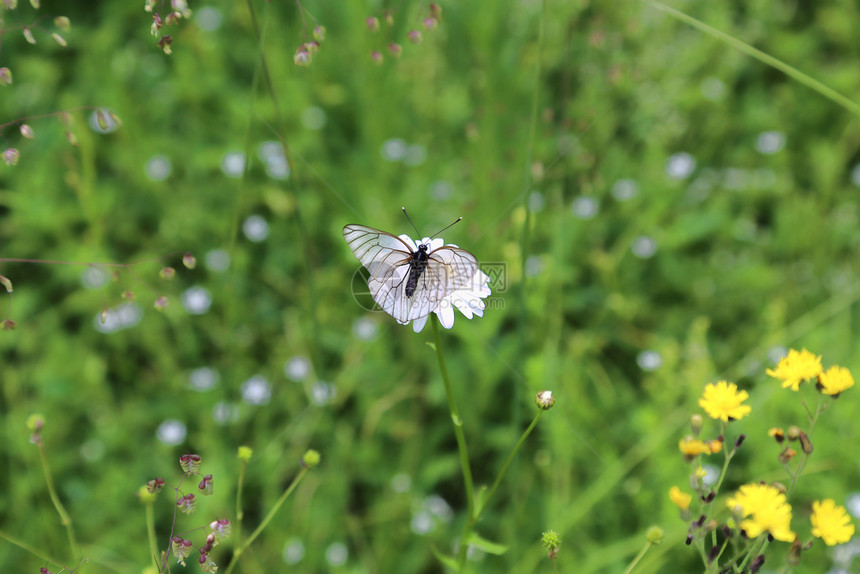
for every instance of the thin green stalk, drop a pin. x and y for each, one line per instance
(274, 510)
(767, 59)
(638, 557)
(65, 519)
(239, 512)
(501, 474)
(31, 549)
(150, 530)
(464, 453)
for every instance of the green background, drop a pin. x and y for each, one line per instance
(522, 118)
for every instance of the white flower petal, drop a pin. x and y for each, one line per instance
(418, 324)
(408, 241)
(446, 313)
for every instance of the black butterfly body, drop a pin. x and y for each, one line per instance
(416, 268)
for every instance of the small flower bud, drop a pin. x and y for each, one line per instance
(389, 19)
(787, 454)
(311, 459)
(167, 273)
(302, 57)
(654, 535)
(181, 6)
(696, 423)
(189, 261)
(415, 36)
(26, 131)
(794, 553)
(103, 315)
(59, 39)
(757, 563)
(35, 422)
(102, 120)
(5, 76)
(779, 486)
(128, 295)
(172, 18)
(551, 542)
(149, 5)
(806, 443)
(794, 432)
(28, 35)
(207, 485)
(35, 4)
(544, 400)
(313, 47)
(6, 283)
(220, 528)
(245, 453)
(10, 156)
(72, 139)
(372, 23)
(180, 548)
(161, 303)
(44, 570)
(714, 553)
(689, 539)
(164, 43)
(65, 118)
(376, 57)
(435, 10)
(187, 504)
(62, 23)
(155, 485)
(8, 325)
(395, 49)
(319, 33)
(431, 23)
(190, 463)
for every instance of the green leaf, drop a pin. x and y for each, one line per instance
(486, 545)
(446, 560)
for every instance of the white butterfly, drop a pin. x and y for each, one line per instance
(409, 282)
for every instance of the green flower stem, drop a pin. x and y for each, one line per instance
(150, 532)
(32, 550)
(516, 448)
(728, 458)
(239, 512)
(65, 519)
(464, 453)
(638, 557)
(237, 552)
(763, 57)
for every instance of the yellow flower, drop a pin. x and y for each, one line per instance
(795, 368)
(831, 523)
(693, 447)
(723, 401)
(764, 509)
(835, 380)
(681, 499)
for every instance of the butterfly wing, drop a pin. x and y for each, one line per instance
(387, 258)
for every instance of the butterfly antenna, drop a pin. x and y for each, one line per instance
(418, 233)
(450, 226)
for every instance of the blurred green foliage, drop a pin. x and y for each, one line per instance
(519, 116)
